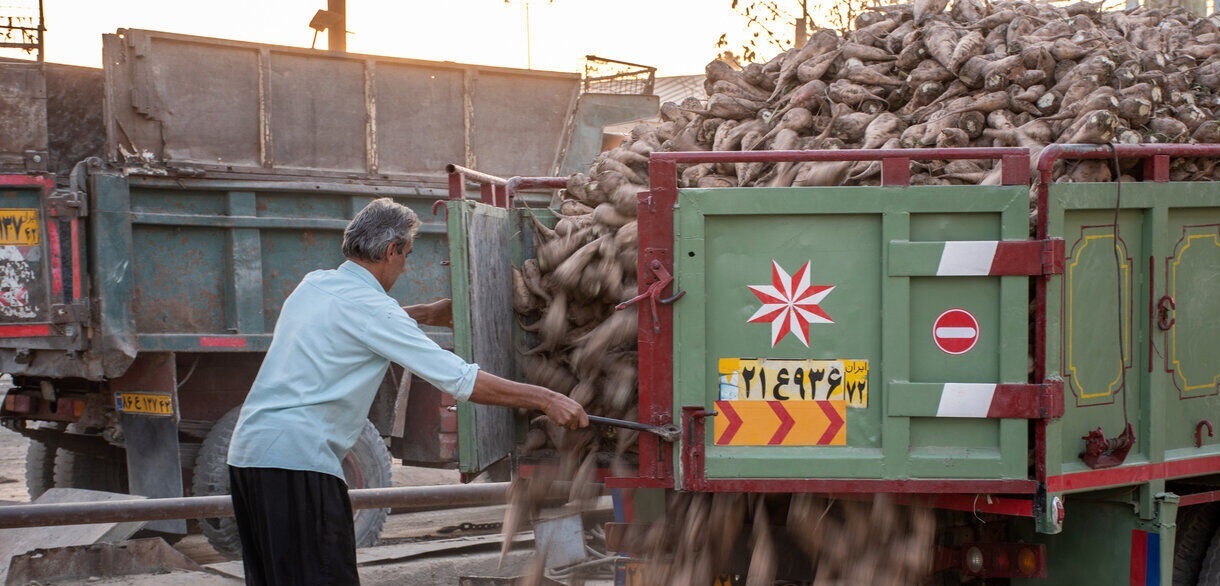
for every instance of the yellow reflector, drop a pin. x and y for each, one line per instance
(1027, 561)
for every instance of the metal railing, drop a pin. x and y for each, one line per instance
(401, 499)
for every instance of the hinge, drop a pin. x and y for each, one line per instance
(1050, 398)
(66, 203)
(1052, 256)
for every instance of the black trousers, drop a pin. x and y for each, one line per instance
(296, 527)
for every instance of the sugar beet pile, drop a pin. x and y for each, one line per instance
(919, 75)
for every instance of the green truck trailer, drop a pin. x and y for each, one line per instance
(158, 211)
(1038, 365)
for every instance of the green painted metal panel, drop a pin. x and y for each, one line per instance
(480, 239)
(198, 259)
(1105, 336)
(879, 311)
(1105, 543)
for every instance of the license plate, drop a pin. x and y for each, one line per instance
(144, 403)
(19, 227)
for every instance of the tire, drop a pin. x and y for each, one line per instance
(1196, 526)
(366, 466)
(39, 467)
(1209, 573)
(106, 472)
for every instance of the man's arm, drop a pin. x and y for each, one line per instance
(438, 313)
(490, 389)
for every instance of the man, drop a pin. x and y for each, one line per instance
(336, 335)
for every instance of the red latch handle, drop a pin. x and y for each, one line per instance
(653, 294)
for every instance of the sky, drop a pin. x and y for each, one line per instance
(678, 37)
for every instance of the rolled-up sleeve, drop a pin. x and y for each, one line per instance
(392, 334)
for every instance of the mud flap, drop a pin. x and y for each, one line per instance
(147, 401)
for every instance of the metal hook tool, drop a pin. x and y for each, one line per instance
(668, 432)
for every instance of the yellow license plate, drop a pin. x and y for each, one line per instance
(145, 403)
(19, 227)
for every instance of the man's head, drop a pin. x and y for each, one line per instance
(380, 227)
(379, 239)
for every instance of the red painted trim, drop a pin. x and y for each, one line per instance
(77, 267)
(1019, 156)
(1017, 258)
(56, 260)
(1025, 401)
(636, 482)
(656, 368)
(222, 342)
(1139, 557)
(46, 182)
(1135, 474)
(865, 485)
(895, 172)
(970, 503)
(25, 331)
(1199, 498)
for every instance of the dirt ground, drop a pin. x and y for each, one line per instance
(12, 470)
(12, 467)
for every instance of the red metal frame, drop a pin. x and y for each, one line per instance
(496, 191)
(656, 241)
(55, 257)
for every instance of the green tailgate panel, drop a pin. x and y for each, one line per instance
(861, 265)
(1132, 321)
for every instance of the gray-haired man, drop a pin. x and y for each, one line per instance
(336, 335)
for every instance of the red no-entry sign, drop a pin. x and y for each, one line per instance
(955, 331)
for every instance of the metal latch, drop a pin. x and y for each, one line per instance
(653, 294)
(67, 202)
(63, 314)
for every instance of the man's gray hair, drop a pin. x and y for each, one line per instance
(380, 224)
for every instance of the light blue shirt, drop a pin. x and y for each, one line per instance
(335, 338)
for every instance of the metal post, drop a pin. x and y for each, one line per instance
(336, 36)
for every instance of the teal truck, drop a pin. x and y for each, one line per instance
(1036, 360)
(156, 213)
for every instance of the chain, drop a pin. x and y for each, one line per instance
(470, 527)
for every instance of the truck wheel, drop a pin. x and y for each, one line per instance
(40, 465)
(106, 472)
(1209, 574)
(366, 466)
(1196, 525)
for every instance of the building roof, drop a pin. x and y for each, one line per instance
(667, 89)
(677, 88)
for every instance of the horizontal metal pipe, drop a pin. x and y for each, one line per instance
(412, 498)
(838, 155)
(475, 176)
(520, 183)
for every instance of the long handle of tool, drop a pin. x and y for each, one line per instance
(622, 423)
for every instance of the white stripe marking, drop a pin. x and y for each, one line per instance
(947, 332)
(965, 400)
(966, 258)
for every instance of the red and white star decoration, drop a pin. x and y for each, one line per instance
(790, 303)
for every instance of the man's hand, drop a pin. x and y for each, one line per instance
(490, 389)
(438, 313)
(565, 411)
